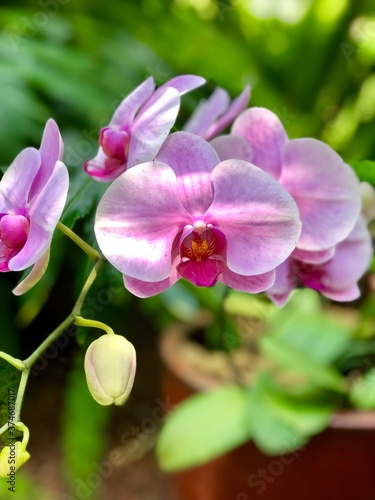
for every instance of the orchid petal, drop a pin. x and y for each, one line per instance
(17, 179)
(184, 83)
(258, 217)
(207, 112)
(266, 135)
(201, 273)
(51, 150)
(249, 284)
(44, 214)
(143, 289)
(345, 295)
(285, 283)
(14, 230)
(236, 107)
(352, 259)
(124, 114)
(138, 219)
(314, 257)
(325, 190)
(193, 161)
(229, 147)
(151, 127)
(34, 276)
(104, 169)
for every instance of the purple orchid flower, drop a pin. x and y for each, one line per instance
(139, 126)
(334, 277)
(33, 192)
(216, 113)
(188, 215)
(325, 189)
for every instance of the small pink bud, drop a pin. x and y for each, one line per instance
(110, 364)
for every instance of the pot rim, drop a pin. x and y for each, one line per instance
(173, 337)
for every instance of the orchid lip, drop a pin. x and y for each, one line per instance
(202, 254)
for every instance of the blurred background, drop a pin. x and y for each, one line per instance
(311, 62)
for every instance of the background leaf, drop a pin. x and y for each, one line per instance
(203, 427)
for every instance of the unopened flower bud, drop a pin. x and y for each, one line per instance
(11, 458)
(110, 364)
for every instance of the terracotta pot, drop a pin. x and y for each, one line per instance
(338, 464)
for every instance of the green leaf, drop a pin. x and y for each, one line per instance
(203, 427)
(362, 394)
(298, 361)
(269, 432)
(303, 325)
(365, 171)
(282, 422)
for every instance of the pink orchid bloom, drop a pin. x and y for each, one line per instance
(188, 215)
(33, 192)
(334, 277)
(139, 127)
(216, 113)
(325, 189)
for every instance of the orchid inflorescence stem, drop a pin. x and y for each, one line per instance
(74, 317)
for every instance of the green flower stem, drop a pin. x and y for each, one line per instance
(28, 363)
(25, 431)
(21, 391)
(89, 250)
(86, 287)
(17, 363)
(93, 324)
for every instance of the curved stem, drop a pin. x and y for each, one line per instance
(28, 362)
(93, 324)
(17, 363)
(86, 287)
(20, 393)
(89, 250)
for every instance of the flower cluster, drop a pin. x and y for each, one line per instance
(251, 208)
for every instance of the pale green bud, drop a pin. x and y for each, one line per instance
(110, 364)
(11, 458)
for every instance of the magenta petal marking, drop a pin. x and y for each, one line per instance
(202, 273)
(114, 142)
(103, 168)
(14, 230)
(203, 256)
